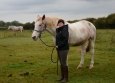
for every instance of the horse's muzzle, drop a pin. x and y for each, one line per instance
(34, 37)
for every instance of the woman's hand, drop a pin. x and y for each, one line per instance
(56, 47)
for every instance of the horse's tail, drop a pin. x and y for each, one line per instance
(88, 46)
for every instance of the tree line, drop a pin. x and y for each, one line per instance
(100, 23)
(26, 26)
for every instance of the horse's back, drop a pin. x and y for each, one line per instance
(14, 28)
(88, 24)
(81, 31)
(82, 23)
(91, 28)
(83, 26)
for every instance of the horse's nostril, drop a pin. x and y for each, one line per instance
(34, 37)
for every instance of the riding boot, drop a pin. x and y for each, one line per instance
(65, 75)
(62, 74)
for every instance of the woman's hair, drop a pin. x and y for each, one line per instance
(60, 21)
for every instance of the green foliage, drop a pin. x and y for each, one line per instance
(90, 19)
(20, 54)
(111, 20)
(102, 22)
(72, 21)
(6, 24)
(2, 23)
(28, 26)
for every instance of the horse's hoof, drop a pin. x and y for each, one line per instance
(91, 67)
(79, 51)
(80, 66)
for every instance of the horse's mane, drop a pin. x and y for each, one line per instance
(52, 22)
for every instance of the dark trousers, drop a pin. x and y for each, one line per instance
(63, 56)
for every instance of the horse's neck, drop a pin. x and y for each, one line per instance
(51, 24)
(51, 30)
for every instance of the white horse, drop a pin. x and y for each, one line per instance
(79, 33)
(16, 28)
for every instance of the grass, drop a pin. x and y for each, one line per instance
(23, 60)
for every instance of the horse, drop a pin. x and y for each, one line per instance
(15, 29)
(80, 33)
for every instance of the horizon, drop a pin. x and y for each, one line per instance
(66, 20)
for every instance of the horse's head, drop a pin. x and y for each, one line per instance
(40, 27)
(9, 27)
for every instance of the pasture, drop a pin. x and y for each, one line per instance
(23, 60)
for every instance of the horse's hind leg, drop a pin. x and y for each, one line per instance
(21, 32)
(83, 51)
(92, 53)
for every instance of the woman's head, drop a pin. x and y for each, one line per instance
(60, 23)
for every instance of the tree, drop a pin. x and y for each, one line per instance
(100, 23)
(2, 23)
(15, 23)
(90, 20)
(111, 20)
(29, 26)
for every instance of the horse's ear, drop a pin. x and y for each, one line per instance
(38, 16)
(43, 17)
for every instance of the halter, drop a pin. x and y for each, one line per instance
(40, 31)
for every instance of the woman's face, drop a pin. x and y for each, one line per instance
(60, 24)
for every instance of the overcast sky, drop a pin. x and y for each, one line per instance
(28, 10)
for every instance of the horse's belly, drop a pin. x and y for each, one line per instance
(77, 42)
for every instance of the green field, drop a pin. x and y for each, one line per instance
(23, 60)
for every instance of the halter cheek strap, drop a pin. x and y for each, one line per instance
(40, 31)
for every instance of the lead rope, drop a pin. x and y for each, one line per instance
(51, 53)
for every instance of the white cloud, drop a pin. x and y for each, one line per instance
(27, 10)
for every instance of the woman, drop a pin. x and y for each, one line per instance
(62, 48)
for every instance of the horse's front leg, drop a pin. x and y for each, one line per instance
(21, 32)
(83, 51)
(14, 33)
